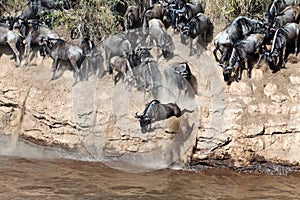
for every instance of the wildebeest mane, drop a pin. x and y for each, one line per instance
(148, 105)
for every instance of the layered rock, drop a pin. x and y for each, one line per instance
(255, 120)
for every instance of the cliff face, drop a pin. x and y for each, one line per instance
(256, 119)
(260, 121)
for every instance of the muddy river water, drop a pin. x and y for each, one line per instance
(37, 173)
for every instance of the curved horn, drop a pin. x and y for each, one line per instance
(222, 65)
(137, 116)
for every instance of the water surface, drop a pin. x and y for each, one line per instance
(23, 178)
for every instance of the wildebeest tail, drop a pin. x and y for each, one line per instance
(20, 42)
(110, 70)
(80, 61)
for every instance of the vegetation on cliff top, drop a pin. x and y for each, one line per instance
(94, 18)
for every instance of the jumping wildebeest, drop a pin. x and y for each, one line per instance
(179, 73)
(288, 15)
(286, 36)
(156, 111)
(132, 18)
(240, 52)
(276, 6)
(156, 11)
(237, 30)
(148, 74)
(59, 50)
(122, 66)
(159, 35)
(117, 45)
(13, 40)
(199, 27)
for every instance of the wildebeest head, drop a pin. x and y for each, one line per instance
(143, 52)
(144, 122)
(167, 47)
(226, 72)
(272, 58)
(184, 33)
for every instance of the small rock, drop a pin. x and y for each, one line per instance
(270, 89)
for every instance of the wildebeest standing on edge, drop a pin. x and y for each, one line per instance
(179, 74)
(276, 6)
(33, 32)
(148, 75)
(199, 27)
(13, 40)
(117, 45)
(286, 36)
(156, 11)
(159, 35)
(155, 111)
(242, 49)
(237, 30)
(132, 18)
(59, 50)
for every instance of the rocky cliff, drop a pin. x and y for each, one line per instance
(254, 121)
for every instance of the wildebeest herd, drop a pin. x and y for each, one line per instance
(273, 38)
(128, 54)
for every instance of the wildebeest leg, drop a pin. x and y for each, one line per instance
(247, 68)
(224, 55)
(215, 54)
(76, 67)
(107, 58)
(54, 68)
(259, 59)
(296, 46)
(191, 46)
(283, 57)
(16, 52)
(27, 49)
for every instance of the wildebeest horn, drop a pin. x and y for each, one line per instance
(137, 116)
(222, 65)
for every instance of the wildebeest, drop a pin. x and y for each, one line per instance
(242, 49)
(156, 11)
(122, 67)
(285, 39)
(60, 50)
(159, 35)
(33, 32)
(156, 111)
(276, 6)
(117, 45)
(237, 30)
(199, 27)
(179, 74)
(288, 15)
(148, 75)
(92, 56)
(132, 18)
(13, 40)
